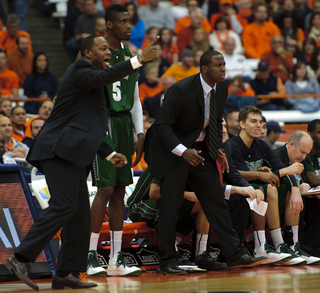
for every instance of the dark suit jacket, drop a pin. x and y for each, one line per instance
(282, 154)
(233, 177)
(180, 120)
(77, 126)
(152, 105)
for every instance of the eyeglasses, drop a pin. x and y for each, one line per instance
(3, 50)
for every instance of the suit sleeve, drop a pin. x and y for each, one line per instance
(104, 150)
(87, 77)
(167, 116)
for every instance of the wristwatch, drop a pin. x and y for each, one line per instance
(140, 59)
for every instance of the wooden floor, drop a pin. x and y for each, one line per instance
(301, 279)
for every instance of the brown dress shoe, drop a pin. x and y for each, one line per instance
(22, 270)
(70, 281)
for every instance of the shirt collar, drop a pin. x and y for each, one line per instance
(206, 88)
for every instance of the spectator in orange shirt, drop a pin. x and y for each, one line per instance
(9, 37)
(230, 14)
(315, 8)
(256, 36)
(170, 51)
(35, 127)
(152, 86)
(44, 113)
(183, 70)
(185, 35)
(293, 35)
(266, 83)
(9, 81)
(5, 107)
(192, 5)
(20, 61)
(280, 61)
(239, 88)
(18, 119)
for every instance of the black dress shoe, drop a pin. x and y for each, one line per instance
(22, 270)
(70, 281)
(171, 269)
(205, 261)
(246, 261)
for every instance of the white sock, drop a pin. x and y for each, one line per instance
(259, 238)
(116, 241)
(201, 243)
(94, 241)
(295, 232)
(276, 237)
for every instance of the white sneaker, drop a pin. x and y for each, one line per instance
(295, 261)
(311, 260)
(119, 267)
(93, 266)
(273, 257)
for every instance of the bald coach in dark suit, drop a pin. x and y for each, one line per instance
(64, 148)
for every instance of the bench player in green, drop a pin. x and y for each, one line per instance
(125, 115)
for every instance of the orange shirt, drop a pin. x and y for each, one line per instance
(27, 125)
(17, 135)
(147, 91)
(8, 80)
(300, 35)
(10, 44)
(186, 21)
(245, 91)
(22, 65)
(167, 52)
(256, 38)
(178, 72)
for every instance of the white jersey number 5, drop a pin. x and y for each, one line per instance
(116, 91)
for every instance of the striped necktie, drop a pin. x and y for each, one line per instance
(213, 128)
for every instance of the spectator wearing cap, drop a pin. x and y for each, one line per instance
(266, 83)
(234, 19)
(280, 61)
(300, 83)
(185, 35)
(256, 35)
(183, 70)
(273, 132)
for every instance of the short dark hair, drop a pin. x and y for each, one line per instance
(12, 110)
(231, 112)
(35, 120)
(245, 111)
(206, 57)
(87, 44)
(13, 18)
(18, 39)
(113, 11)
(264, 118)
(313, 125)
(221, 19)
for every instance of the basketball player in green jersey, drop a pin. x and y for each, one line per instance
(125, 115)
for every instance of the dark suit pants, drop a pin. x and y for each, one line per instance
(204, 181)
(310, 223)
(68, 208)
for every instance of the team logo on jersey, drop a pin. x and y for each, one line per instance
(126, 58)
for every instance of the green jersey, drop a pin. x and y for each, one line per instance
(121, 93)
